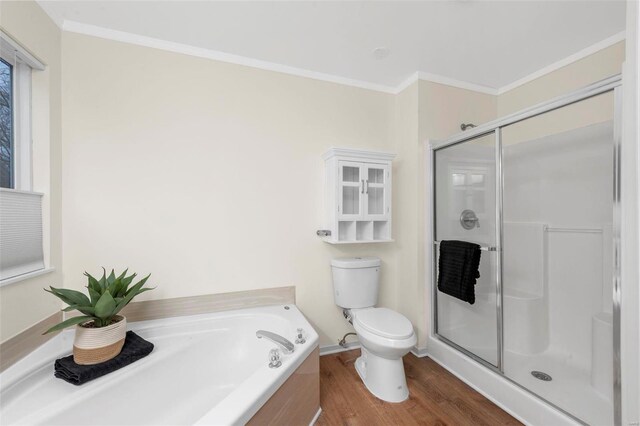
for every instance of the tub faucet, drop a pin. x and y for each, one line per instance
(287, 346)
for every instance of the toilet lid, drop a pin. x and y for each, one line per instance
(384, 322)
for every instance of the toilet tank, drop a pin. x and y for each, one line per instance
(355, 281)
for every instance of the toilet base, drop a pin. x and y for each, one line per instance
(384, 378)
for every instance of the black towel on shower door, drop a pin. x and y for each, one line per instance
(458, 269)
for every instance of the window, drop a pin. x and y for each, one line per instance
(6, 124)
(15, 116)
(21, 232)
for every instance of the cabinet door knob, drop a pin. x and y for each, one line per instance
(362, 188)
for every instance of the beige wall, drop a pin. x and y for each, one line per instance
(24, 303)
(405, 202)
(208, 175)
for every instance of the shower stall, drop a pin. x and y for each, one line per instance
(538, 191)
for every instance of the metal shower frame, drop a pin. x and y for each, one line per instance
(611, 84)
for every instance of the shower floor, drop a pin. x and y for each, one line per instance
(569, 389)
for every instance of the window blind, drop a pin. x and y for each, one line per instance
(20, 233)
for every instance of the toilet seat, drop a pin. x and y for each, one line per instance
(384, 322)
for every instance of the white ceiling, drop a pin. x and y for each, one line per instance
(488, 43)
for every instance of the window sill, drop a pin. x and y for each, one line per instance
(21, 191)
(26, 276)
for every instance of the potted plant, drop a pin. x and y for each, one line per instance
(100, 331)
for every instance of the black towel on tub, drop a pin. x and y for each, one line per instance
(458, 269)
(135, 347)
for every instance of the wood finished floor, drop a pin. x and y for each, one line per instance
(436, 397)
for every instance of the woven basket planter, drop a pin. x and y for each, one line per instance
(96, 345)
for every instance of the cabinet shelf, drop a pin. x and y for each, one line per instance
(358, 196)
(327, 240)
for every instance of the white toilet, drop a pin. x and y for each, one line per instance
(385, 335)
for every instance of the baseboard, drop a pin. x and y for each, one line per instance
(316, 417)
(334, 349)
(419, 352)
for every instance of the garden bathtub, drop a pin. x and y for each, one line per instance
(205, 369)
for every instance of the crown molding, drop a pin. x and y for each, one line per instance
(360, 154)
(440, 79)
(434, 78)
(408, 82)
(185, 49)
(139, 40)
(587, 51)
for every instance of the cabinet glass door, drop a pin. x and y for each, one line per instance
(351, 191)
(376, 191)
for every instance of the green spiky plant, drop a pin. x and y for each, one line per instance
(107, 297)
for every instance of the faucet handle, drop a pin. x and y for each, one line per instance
(300, 339)
(274, 358)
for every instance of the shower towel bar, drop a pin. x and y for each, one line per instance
(483, 248)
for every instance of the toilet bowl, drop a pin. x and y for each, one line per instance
(385, 335)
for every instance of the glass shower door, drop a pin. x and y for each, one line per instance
(558, 256)
(465, 203)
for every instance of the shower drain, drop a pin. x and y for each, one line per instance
(541, 376)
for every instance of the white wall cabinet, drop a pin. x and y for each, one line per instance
(358, 196)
